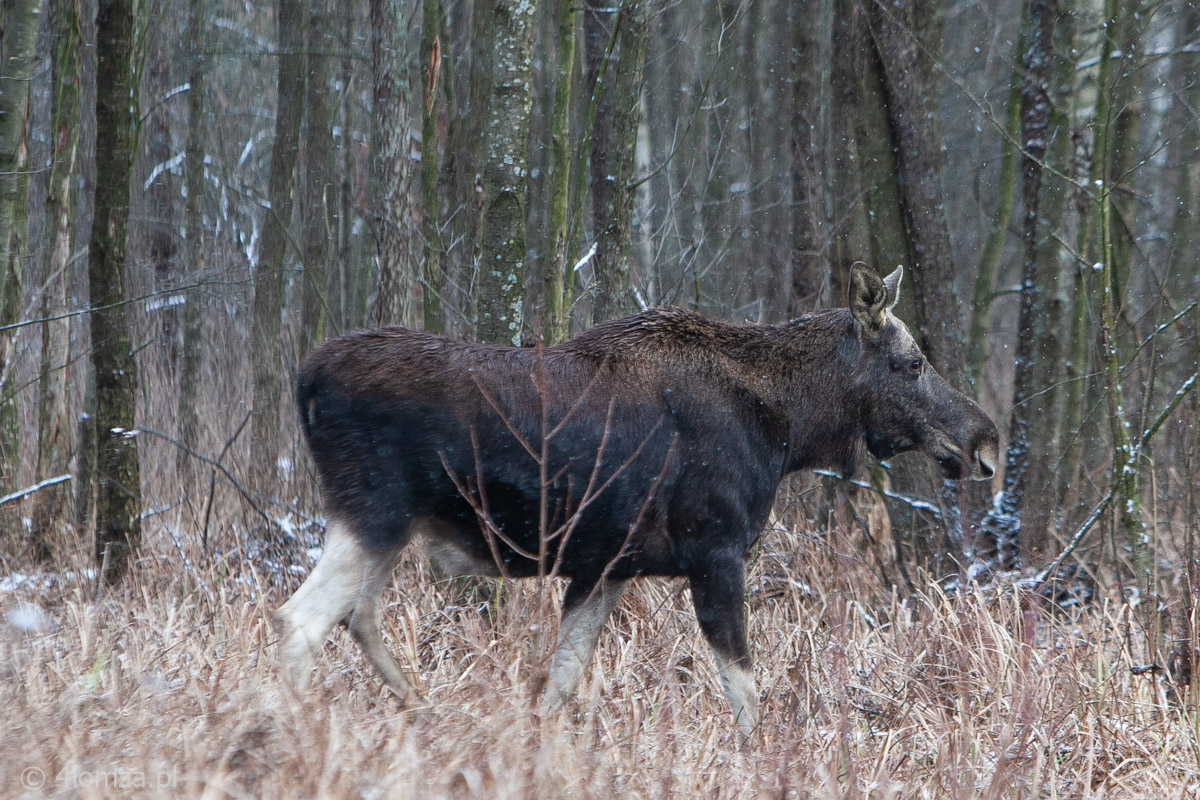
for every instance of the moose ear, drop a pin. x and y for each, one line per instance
(892, 284)
(870, 298)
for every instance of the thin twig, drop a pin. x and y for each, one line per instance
(93, 309)
(212, 482)
(218, 466)
(1039, 580)
(35, 488)
(914, 502)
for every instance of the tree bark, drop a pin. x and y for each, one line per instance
(118, 495)
(851, 240)
(613, 140)
(191, 363)
(876, 154)
(50, 507)
(155, 231)
(432, 283)
(1036, 71)
(509, 27)
(1184, 156)
(557, 304)
(809, 284)
(320, 201)
(908, 38)
(269, 278)
(1125, 478)
(993, 248)
(1055, 300)
(18, 34)
(1126, 103)
(399, 301)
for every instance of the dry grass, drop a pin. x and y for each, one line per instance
(167, 686)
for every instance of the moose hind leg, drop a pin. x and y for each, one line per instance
(718, 594)
(364, 626)
(586, 607)
(327, 596)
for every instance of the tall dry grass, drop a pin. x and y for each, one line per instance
(167, 686)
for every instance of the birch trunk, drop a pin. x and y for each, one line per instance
(510, 26)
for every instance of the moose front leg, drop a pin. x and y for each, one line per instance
(586, 607)
(718, 593)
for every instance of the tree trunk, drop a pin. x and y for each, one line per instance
(613, 140)
(1036, 71)
(875, 151)
(809, 284)
(269, 278)
(557, 304)
(910, 89)
(1125, 478)
(1055, 299)
(509, 27)
(18, 35)
(320, 204)
(850, 239)
(432, 283)
(1184, 156)
(191, 364)
(155, 232)
(993, 248)
(1078, 366)
(54, 428)
(675, 94)
(1126, 103)
(908, 39)
(399, 291)
(118, 496)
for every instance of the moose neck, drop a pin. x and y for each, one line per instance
(818, 392)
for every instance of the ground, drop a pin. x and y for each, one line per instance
(167, 686)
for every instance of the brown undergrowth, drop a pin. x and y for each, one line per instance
(167, 686)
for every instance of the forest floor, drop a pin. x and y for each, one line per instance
(167, 686)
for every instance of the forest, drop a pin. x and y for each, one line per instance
(195, 194)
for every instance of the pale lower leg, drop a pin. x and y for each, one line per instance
(584, 615)
(364, 626)
(326, 598)
(737, 680)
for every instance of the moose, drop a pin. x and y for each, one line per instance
(647, 446)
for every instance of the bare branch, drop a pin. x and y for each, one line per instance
(8, 498)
